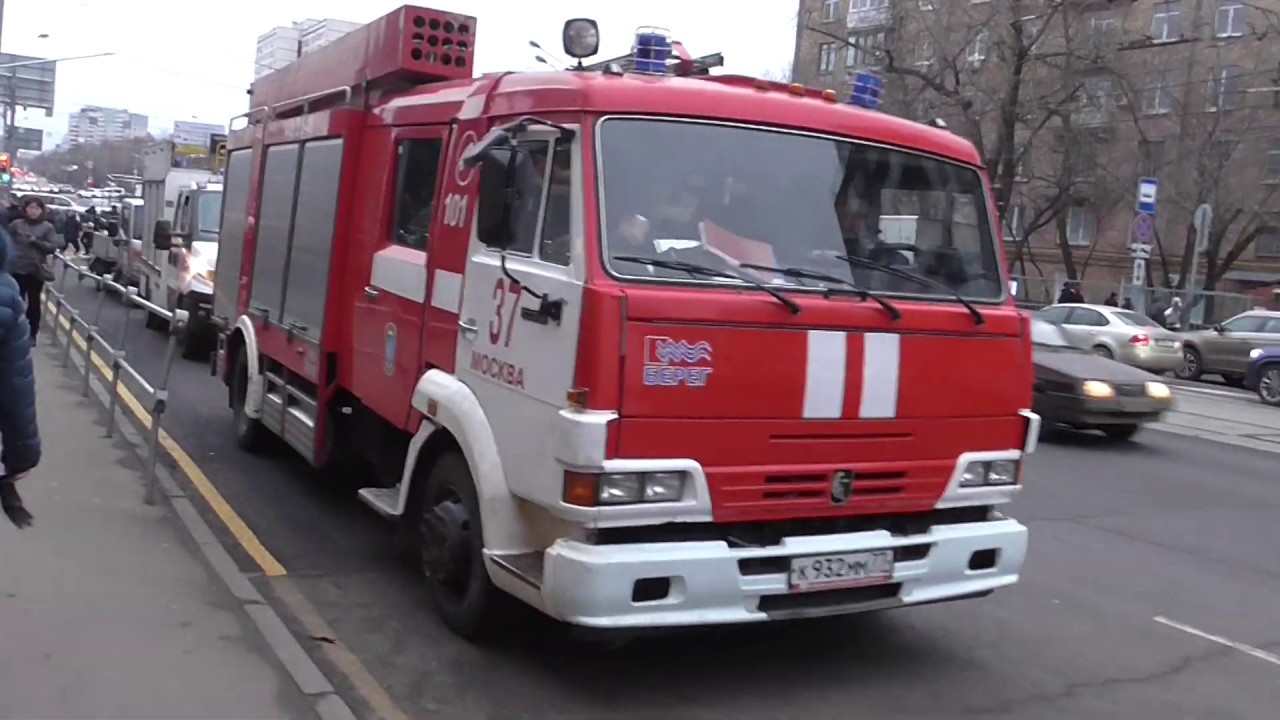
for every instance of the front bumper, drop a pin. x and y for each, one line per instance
(1075, 410)
(713, 583)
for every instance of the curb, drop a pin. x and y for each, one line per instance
(304, 672)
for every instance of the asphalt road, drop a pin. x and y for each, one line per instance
(1138, 551)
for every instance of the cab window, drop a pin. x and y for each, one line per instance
(553, 245)
(417, 176)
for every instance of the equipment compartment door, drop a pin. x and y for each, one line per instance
(517, 352)
(387, 320)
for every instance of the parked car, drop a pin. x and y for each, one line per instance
(1117, 334)
(1263, 374)
(1082, 390)
(1225, 348)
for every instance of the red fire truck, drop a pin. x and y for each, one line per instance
(636, 348)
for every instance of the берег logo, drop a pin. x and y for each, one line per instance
(669, 363)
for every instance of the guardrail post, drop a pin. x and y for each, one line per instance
(117, 359)
(57, 315)
(72, 320)
(160, 399)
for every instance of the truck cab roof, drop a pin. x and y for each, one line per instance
(731, 99)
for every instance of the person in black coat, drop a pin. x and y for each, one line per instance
(19, 432)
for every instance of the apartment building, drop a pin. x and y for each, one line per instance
(93, 124)
(281, 45)
(1071, 102)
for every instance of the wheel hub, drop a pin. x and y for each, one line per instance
(1269, 385)
(447, 553)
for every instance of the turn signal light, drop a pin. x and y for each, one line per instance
(596, 489)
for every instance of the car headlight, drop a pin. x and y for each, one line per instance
(986, 473)
(593, 489)
(1097, 389)
(1255, 353)
(1158, 391)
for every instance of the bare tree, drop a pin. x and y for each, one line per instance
(779, 74)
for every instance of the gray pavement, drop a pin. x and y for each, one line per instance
(105, 609)
(1149, 592)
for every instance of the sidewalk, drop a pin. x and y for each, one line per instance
(106, 610)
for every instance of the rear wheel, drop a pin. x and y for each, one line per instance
(1120, 432)
(451, 539)
(1269, 385)
(194, 340)
(251, 436)
(1192, 366)
(1103, 351)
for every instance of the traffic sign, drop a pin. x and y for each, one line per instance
(1143, 228)
(1139, 272)
(1202, 220)
(1147, 188)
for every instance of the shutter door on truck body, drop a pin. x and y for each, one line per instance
(275, 215)
(311, 242)
(234, 223)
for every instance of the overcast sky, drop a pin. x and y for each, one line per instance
(178, 60)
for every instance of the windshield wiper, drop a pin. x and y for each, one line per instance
(850, 286)
(695, 269)
(978, 319)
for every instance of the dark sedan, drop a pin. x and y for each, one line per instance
(1263, 374)
(1082, 390)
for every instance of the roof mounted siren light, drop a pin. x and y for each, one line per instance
(866, 90)
(581, 39)
(651, 51)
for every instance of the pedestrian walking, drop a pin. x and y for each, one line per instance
(1173, 314)
(71, 230)
(34, 240)
(19, 433)
(1113, 300)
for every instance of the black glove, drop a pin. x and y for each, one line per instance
(11, 503)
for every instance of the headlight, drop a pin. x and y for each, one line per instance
(986, 473)
(591, 490)
(1097, 389)
(1255, 353)
(1158, 390)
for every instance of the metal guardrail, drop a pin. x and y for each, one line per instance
(89, 330)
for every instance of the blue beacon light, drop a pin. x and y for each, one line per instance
(866, 90)
(651, 51)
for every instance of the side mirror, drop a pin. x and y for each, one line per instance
(163, 236)
(113, 228)
(1217, 327)
(494, 217)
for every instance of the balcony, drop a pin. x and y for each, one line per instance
(868, 17)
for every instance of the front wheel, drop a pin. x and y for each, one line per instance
(1269, 385)
(451, 541)
(1192, 367)
(1120, 433)
(251, 436)
(194, 337)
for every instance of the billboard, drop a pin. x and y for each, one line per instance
(193, 138)
(28, 86)
(21, 138)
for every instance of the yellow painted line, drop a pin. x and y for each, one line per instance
(229, 517)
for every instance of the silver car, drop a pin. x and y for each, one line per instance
(1123, 335)
(1225, 349)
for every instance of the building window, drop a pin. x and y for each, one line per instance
(1267, 244)
(1157, 98)
(1230, 20)
(1102, 29)
(829, 8)
(1271, 166)
(1096, 99)
(1166, 21)
(1225, 91)
(1151, 157)
(1082, 226)
(1022, 166)
(979, 47)
(868, 13)
(865, 49)
(826, 58)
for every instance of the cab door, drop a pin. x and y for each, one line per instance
(518, 328)
(172, 261)
(388, 314)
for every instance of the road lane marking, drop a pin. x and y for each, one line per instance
(1258, 653)
(1239, 395)
(229, 517)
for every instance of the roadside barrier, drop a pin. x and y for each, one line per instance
(87, 332)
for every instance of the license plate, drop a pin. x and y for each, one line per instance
(1164, 343)
(826, 572)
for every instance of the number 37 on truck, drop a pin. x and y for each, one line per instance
(632, 344)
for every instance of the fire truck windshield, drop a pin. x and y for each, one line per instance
(731, 196)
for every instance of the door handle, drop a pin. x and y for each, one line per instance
(371, 292)
(469, 328)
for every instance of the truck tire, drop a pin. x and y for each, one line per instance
(194, 340)
(451, 542)
(251, 436)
